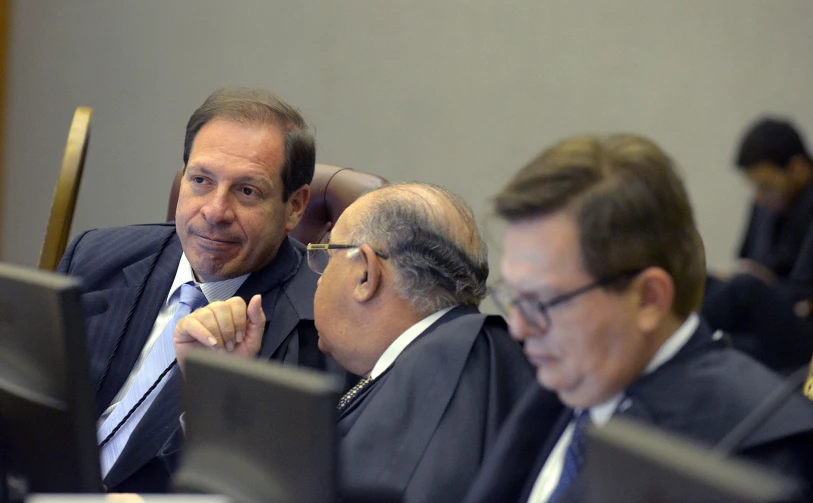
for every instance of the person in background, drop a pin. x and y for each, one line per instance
(759, 321)
(763, 306)
(778, 243)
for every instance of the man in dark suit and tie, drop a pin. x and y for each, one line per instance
(248, 160)
(603, 273)
(764, 304)
(777, 246)
(402, 276)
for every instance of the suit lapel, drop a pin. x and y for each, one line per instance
(161, 420)
(103, 330)
(270, 282)
(142, 320)
(154, 430)
(526, 438)
(430, 369)
(547, 447)
(670, 398)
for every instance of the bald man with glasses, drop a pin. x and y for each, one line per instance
(396, 304)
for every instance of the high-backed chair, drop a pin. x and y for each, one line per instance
(67, 188)
(332, 190)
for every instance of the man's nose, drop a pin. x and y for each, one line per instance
(218, 208)
(519, 327)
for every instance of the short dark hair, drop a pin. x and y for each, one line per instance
(630, 206)
(250, 106)
(770, 139)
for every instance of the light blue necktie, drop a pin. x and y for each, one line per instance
(159, 358)
(574, 456)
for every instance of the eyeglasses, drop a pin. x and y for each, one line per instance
(319, 254)
(535, 312)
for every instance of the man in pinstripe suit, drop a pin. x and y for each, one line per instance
(248, 161)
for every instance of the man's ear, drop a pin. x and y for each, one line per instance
(297, 202)
(368, 276)
(655, 296)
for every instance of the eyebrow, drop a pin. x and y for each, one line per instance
(243, 179)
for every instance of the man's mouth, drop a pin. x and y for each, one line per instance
(539, 359)
(214, 241)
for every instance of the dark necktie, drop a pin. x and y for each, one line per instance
(353, 393)
(574, 456)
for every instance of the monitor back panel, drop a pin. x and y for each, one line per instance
(634, 463)
(258, 431)
(47, 432)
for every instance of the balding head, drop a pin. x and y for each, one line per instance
(435, 246)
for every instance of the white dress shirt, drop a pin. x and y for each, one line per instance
(600, 414)
(214, 291)
(389, 355)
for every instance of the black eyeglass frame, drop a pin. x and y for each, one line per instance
(541, 309)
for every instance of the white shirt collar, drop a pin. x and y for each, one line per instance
(601, 414)
(213, 290)
(389, 355)
(673, 344)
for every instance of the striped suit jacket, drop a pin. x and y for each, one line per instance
(126, 274)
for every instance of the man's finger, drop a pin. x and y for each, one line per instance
(222, 313)
(190, 328)
(238, 315)
(256, 318)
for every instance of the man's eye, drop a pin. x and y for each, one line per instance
(198, 179)
(248, 191)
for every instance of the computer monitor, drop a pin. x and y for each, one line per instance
(634, 463)
(128, 498)
(258, 431)
(47, 433)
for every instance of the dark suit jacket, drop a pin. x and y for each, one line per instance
(421, 429)
(126, 274)
(759, 320)
(784, 244)
(702, 393)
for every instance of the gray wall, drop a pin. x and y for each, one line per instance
(460, 93)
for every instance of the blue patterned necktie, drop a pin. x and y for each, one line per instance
(574, 456)
(157, 361)
(354, 391)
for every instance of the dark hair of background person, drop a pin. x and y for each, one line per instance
(773, 140)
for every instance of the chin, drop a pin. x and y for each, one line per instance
(322, 346)
(546, 380)
(215, 269)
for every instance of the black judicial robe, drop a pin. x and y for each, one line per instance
(784, 244)
(702, 393)
(759, 320)
(421, 429)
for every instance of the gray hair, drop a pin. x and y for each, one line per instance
(440, 261)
